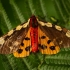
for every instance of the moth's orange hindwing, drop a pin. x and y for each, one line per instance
(25, 47)
(46, 45)
(53, 36)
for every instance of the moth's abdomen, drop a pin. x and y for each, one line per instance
(34, 33)
(34, 39)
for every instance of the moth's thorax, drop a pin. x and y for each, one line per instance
(33, 22)
(34, 33)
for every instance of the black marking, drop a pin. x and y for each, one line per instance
(0, 46)
(22, 44)
(27, 38)
(6, 37)
(43, 46)
(27, 48)
(48, 41)
(52, 47)
(39, 45)
(19, 50)
(43, 37)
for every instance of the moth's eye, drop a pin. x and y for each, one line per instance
(19, 50)
(27, 48)
(43, 37)
(22, 44)
(48, 41)
(27, 38)
(52, 47)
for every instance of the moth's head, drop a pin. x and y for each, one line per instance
(33, 21)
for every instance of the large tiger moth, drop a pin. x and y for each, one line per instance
(32, 36)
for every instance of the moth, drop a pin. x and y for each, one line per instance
(32, 36)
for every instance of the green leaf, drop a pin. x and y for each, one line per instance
(15, 12)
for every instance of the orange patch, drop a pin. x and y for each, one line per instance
(25, 48)
(46, 48)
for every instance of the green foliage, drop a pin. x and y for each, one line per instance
(14, 12)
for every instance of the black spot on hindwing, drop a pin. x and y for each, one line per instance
(22, 44)
(43, 37)
(27, 38)
(42, 46)
(27, 48)
(52, 47)
(48, 41)
(19, 50)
